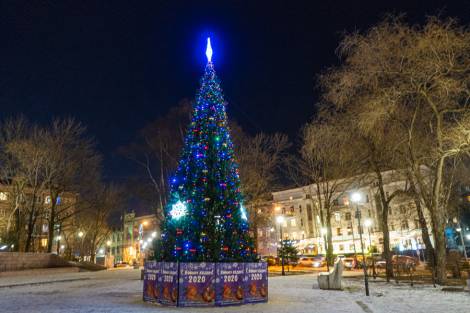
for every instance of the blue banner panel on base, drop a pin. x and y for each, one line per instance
(168, 283)
(196, 284)
(229, 283)
(151, 273)
(256, 282)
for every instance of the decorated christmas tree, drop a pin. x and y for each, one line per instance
(205, 220)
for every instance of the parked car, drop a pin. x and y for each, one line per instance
(400, 260)
(270, 260)
(319, 261)
(121, 264)
(349, 263)
(306, 261)
(405, 260)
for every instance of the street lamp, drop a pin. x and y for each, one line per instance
(368, 223)
(280, 220)
(356, 197)
(58, 238)
(80, 235)
(154, 234)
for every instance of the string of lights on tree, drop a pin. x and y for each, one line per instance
(205, 219)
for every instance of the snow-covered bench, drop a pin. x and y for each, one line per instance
(332, 279)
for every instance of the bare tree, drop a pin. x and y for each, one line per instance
(93, 217)
(157, 150)
(259, 158)
(72, 162)
(414, 80)
(13, 130)
(28, 172)
(327, 169)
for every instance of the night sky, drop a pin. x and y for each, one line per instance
(117, 65)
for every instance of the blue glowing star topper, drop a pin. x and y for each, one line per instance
(209, 50)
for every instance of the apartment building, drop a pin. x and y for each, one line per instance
(302, 222)
(11, 204)
(132, 243)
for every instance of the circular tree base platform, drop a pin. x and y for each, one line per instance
(201, 284)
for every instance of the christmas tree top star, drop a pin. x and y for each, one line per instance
(209, 50)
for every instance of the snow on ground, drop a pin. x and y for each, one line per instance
(120, 291)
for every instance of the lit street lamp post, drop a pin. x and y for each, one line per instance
(368, 224)
(280, 220)
(80, 235)
(356, 198)
(59, 237)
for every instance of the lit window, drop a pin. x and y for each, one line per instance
(44, 242)
(404, 225)
(292, 222)
(294, 235)
(337, 216)
(3, 196)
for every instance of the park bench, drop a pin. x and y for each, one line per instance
(331, 280)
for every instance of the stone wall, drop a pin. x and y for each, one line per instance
(16, 261)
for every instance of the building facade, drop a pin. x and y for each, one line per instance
(14, 214)
(302, 222)
(133, 242)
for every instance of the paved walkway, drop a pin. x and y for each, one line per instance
(120, 291)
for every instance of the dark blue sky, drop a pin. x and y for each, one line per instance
(117, 65)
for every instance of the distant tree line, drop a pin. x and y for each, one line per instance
(52, 177)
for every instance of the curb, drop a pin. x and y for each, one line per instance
(43, 282)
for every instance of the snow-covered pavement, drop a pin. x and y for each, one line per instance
(120, 291)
